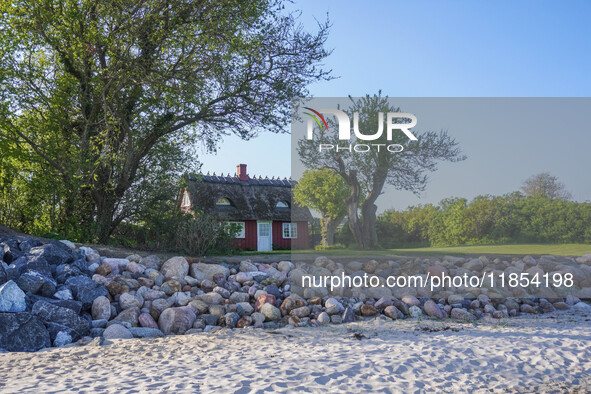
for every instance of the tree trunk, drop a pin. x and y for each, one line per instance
(105, 210)
(329, 226)
(368, 215)
(352, 203)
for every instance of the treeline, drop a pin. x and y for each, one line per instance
(511, 218)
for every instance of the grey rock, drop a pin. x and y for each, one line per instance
(101, 323)
(35, 282)
(66, 317)
(239, 297)
(130, 316)
(146, 332)
(392, 312)
(62, 338)
(152, 261)
(175, 267)
(76, 306)
(12, 298)
(86, 290)
(461, 314)
(209, 270)
(323, 318)
(101, 308)
(433, 310)
(209, 319)
(127, 300)
(333, 306)
(348, 316)
(117, 331)
(176, 320)
(22, 332)
(271, 312)
(231, 319)
(54, 254)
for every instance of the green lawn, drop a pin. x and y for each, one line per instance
(520, 249)
(523, 249)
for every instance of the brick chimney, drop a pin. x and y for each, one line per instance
(241, 171)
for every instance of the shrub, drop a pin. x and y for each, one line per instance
(202, 234)
(329, 247)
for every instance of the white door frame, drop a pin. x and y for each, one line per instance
(264, 243)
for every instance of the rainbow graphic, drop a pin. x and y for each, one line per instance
(316, 119)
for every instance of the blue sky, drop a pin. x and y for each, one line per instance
(446, 49)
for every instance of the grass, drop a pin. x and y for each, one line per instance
(513, 249)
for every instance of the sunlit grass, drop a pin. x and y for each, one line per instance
(518, 249)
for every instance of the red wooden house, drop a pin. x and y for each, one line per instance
(262, 207)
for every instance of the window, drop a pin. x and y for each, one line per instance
(186, 201)
(290, 230)
(282, 204)
(241, 233)
(223, 201)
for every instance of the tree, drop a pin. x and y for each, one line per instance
(91, 88)
(366, 173)
(546, 185)
(325, 191)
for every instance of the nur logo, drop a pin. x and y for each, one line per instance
(345, 129)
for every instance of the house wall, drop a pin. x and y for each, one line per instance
(250, 239)
(300, 242)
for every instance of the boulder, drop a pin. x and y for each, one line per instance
(411, 301)
(127, 300)
(53, 254)
(152, 261)
(69, 244)
(130, 316)
(22, 332)
(146, 332)
(66, 317)
(271, 312)
(76, 306)
(62, 338)
(461, 314)
(392, 312)
(209, 270)
(264, 299)
(368, 310)
(146, 320)
(238, 297)
(210, 298)
(248, 266)
(175, 267)
(35, 282)
(117, 331)
(12, 298)
(433, 310)
(86, 290)
(333, 306)
(323, 318)
(290, 303)
(176, 320)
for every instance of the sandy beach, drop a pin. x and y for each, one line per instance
(546, 353)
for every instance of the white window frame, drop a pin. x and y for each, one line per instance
(241, 234)
(186, 200)
(290, 230)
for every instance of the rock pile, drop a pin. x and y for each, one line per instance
(53, 295)
(46, 293)
(149, 299)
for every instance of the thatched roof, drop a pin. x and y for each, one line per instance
(252, 199)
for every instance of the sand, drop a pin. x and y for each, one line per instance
(546, 353)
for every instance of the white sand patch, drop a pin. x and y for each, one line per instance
(526, 354)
